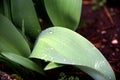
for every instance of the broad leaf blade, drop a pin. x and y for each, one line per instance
(11, 40)
(23, 61)
(23, 11)
(61, 45)
(64, 13)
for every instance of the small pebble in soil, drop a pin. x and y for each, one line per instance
(104, 40)
(117, 50)
(113, 53)
(114, 41)
(116, 35)
(103, 32)
(103, 46)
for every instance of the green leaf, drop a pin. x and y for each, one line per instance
(23, 61)
(7, 10)
(64, 46)
(42, 13)
(23, 10)
(11, 40)
(1, 7)
(64, 13)
(52, 65)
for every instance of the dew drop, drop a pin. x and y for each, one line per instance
(64, 60)
(51, 48)
(72, 63)
(110, 78)
(44, 56)
(51, 58)
(50, 32)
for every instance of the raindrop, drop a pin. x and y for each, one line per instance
(64, 60)
(51, 48)
(44, 56)
(50, 32)
(72, 63)
(110, 78)
(51, 58)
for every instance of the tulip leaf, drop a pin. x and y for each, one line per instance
(11, 40)
(7, 11)
(64, 13)
(23, 10)
(64, 46)
(23, 61)
(1, 7)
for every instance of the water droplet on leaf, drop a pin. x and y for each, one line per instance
(51, 48)
(44, 56)
(51, 58)
(64, 60)
(50, 32)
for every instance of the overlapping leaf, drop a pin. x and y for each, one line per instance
(23, 61)
(7, 10)
(63, 46)
(23, 12)
(11, 40)
(64, 13)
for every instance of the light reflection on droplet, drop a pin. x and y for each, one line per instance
(72, 63)
(50, 32)
(44, 56)
(64, 60)
(51, 48)
(51, 58)
(110, 78)
(99, 64)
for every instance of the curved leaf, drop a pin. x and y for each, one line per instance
(7, 11)
(42, 13)
(61, 45)
(23, 61)
(11, 40)
(23, 10)
(64, 13)
(1, 7)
